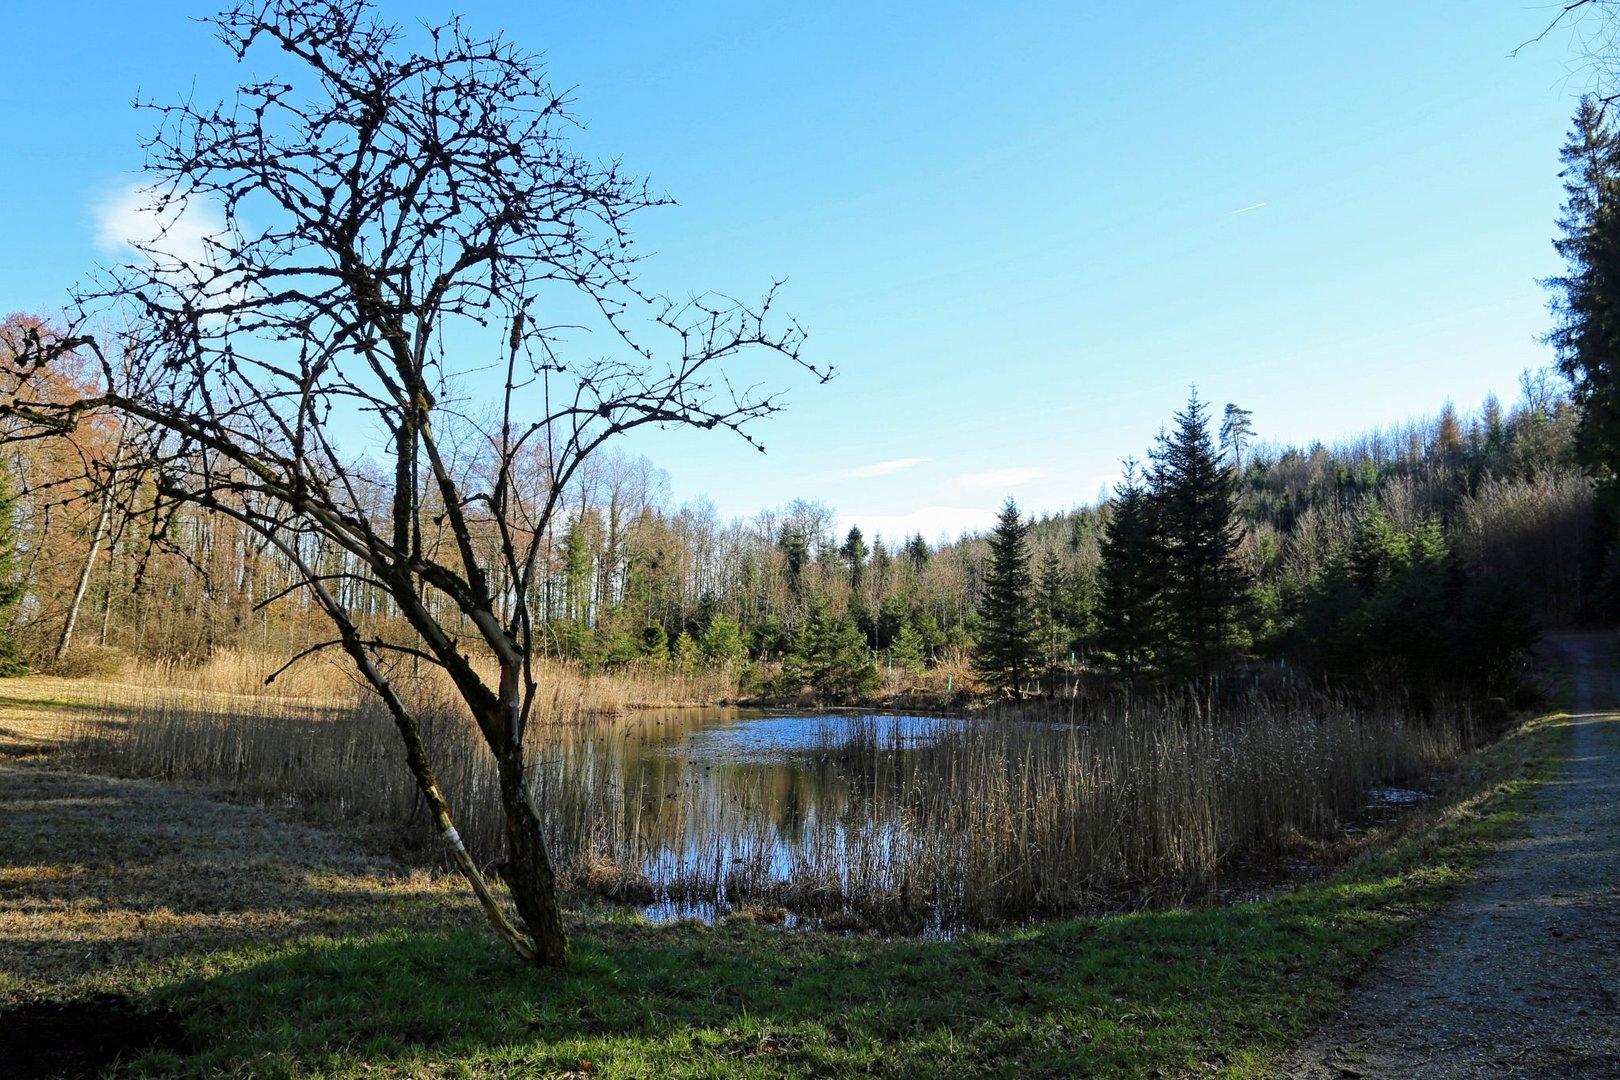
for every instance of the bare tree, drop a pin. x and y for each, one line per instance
(408, 241)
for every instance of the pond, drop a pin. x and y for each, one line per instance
(707, 807)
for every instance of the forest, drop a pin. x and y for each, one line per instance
(1422, 555)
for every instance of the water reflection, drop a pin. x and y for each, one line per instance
(715, 804)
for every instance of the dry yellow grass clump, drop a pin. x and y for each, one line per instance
(109, 884)
(568, 692)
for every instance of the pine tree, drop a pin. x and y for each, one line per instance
(1204, 586)
(1237, 431)
(1128, 602)
(1008, 648)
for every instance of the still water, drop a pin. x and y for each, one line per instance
(707, 806)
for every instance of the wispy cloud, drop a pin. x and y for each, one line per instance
(985, 479)
(1246, 209)
(129, 216)
(882, 468)
(933, 523)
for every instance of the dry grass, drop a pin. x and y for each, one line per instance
(38, 712)
(567, 691)
(996, 819)
(111, 884)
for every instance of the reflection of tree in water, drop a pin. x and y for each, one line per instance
(681, 800)
(790, 810)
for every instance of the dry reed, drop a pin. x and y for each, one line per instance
(982, 821)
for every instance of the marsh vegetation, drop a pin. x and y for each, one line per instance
(854, 819)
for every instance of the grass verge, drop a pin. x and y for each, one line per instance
(1220, 991)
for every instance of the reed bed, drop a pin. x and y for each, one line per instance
(568, 691)
(973, 823)
(1003, 818)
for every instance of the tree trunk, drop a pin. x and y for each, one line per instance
(416, 758)
(527, 871)
(102, 517)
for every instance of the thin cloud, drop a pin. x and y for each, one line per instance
(1246, 209)
(129, 217)
(1000, 478)
(933, 523)
(882, 468)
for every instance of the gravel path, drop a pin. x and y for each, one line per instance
(1520, 976)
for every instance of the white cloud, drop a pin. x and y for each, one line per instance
(882, 468)
(933, 522)
(129, 217)
(1001, 479)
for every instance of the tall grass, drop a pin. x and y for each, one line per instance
(568, 692)
(977, 822)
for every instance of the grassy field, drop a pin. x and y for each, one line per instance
(289, 950)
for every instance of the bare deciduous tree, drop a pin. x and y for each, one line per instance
(407, 241)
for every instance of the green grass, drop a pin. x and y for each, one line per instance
(1170, 993)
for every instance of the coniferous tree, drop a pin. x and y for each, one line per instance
(830, 655)
(722, 641)
(1237, 431)
(853, 552)
(907, 651)
(1586, 299)
(916, 552)
(1197, 504)
(1052, 609)
(684, 653)
(1128, 601)
(1008, 648)
(796, 550)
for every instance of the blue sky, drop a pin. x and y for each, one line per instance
(1019, 231)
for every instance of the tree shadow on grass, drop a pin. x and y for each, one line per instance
(1178, 991)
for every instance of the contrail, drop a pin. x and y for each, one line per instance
(1246, 209)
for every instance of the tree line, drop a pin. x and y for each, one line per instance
(1395, 552)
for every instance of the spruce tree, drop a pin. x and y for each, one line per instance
(907, 651)
(722, 642)
(1052, 608)
(853, 552)
(1007, 649)
(916, 552)
(1127, 577)
(1586, 299)
(830, 655)
(1197, 502)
